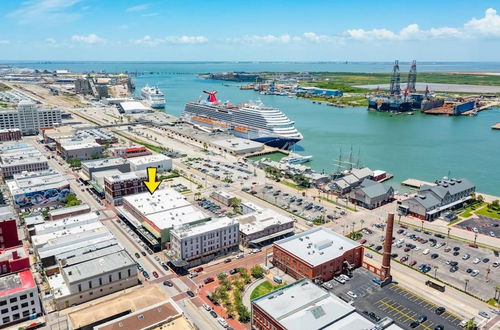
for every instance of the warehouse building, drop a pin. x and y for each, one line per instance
(105, 164)
(78, 148)
(201, 243)
(317, 254)
(66, 212)
(304, 305)
(17, 158)
(131, 107)
(161, 162)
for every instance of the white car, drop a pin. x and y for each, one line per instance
(344, 277)
(222, 322)
(496, 264)
(191, 275)
(474, 273)
(475, 230)
(476, 261)
(207, 308)
(339, 279)
(492, 234)
(352, 294)
(466, 256)
(425, 252)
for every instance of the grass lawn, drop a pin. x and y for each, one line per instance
(489, 213)
(264, 288)
(292, 185)
(469, 211)
(339, 204)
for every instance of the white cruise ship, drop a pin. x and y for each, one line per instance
(249, 120)
(153, 96)
(294, 159)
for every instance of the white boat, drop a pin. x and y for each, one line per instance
(293, 158)
(153, 96)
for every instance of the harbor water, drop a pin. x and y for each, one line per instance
(419, 146)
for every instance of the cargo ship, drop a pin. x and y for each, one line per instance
(250, 120)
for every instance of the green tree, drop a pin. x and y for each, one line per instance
(480, 198)
(243, 313)
(221, 276)
(495, 204)
(71, 200)
(235, 204)
(257, 271)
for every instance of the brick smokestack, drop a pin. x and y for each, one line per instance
(386, 259)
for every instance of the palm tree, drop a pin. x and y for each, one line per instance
(197, 195)
(422, 224)
(435, 270)
(353, 224)
(235, 204)
(466, 282)
(449, 232)
(362, 222)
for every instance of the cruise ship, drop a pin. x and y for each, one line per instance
(153, 96)
(295, 159)
(249, 120)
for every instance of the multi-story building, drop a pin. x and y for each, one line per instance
(161, 162)
(8, 231)
(21, 157)
(92, 275)
(118, 186)
(32, 189)
(317, 254)
(433, 200)
(223, 197)
(78, 148)
(12, 134)
(129, 152)
(201, 243)
(19, 298)
(29, 118)
(304, 305)
(371, 194)
(13, 260)
(105, 164)
(160, 213)
(263, 226)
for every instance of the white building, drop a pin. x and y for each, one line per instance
(92, 275)
(223, 197)
(105, 164)
(263, 225)
(29, 118)
(201, 243)
(21, 157)
(161, 162)
(19, 298)
(131, 107)
(77, 148)
(161, 212)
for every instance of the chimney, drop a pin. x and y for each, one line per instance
(385, 272)
(14, 255)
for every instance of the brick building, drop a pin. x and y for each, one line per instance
(14, 259)
(8, 233)
(13, 134)
(118, 186)
(317, 254)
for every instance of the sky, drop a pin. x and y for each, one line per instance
(240, 30)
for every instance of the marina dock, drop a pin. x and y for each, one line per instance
(496, 126)
(415, 183)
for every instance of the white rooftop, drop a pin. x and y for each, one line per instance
(100, 176)
(105, 162)
(205, 227)
(238, 144)
(166, 208)
(66, 223)
(82, 145)
(126, 176)
(260, 220)
(303, 305)
(224, 194)
(36, 181)
(68, 236)
(148, 159)
(133, 106)
(317, 246)
(81, 241)
(70, 209)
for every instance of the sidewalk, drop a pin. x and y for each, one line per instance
(248, 291)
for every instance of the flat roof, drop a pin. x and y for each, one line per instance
(7, 253)
(260, 220)
(193, 230)
(353, 321)
(133, 105)
(34, 219)
(89, 254)
(12, 283)
(224, 194)
(238, 144)
(148, 159)
(98, 266)
(36, 181)
(303, 305)
(66, 210)
(6, 213)
(78, 245)
(70, 236)
(66, 223)
(317, 246)
(127, 176)
(101, 175)
(83, 145)
(22, 156)
(105, 162)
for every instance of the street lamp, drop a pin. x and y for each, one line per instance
(475, 238)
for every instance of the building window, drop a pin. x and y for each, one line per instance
(14, 308)
(110, 278)
(4, 311)
(23, 297)
(13, 300)
(119, 275)
(79, 288)
(26, 313)
(23, 305)
(129, 273)
(33, 311)
(100, 281)
(6, 320)
(3, 302)
(32, 302)
(90, 284)
(15, 316)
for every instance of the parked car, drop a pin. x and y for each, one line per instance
(228, 260)
(199, 269)
(214, 314)
(440, 310)
(352, 294)
(168, 283)
(155, 274)
(190, 293)
(208, 280)
(192, 275)
(484, 314)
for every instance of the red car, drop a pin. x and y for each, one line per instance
(208, 280)
(199, 269)
(404, 226)
(155, 274)
(363, 241)
(413, 262)
(253, 192)
(473, 246)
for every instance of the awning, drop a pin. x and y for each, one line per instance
(179, 263)
(447, 206)
(268, 237)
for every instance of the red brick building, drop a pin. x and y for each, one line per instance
(13, 260)
(317, 254)
(10, 134)
(8, 233)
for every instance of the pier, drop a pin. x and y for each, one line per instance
(415, 183)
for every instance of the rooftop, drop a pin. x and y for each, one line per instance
(133, 105)
(260, 220)
(303, 305)
(33, 219)
(105, 162)
(238, 144)
(36, 181)
(205, 227)
(85, 144)
(66, 223)
(8, 254)
(77, 246)
(317, 246)
(126, 176)
(66, 210)
(86, 254)
(148, 159)
(70, 236)
(17, 282)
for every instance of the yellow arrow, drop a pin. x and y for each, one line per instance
(151, 183)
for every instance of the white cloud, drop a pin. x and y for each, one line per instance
(4, 42)
(489, 25)
(173, 40)
(311, 36)
(53, 11)
(142, 7)
(90, 39)
(265, 39)
(150, 15)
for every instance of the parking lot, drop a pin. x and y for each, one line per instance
(228, 172)
(392, 301)
(451, 261)
(482, 225)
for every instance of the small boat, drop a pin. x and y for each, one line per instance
(410, 113)
(293, 158)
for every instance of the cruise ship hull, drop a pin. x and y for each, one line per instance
(277, 142)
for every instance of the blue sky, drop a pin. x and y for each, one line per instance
(143, 30)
